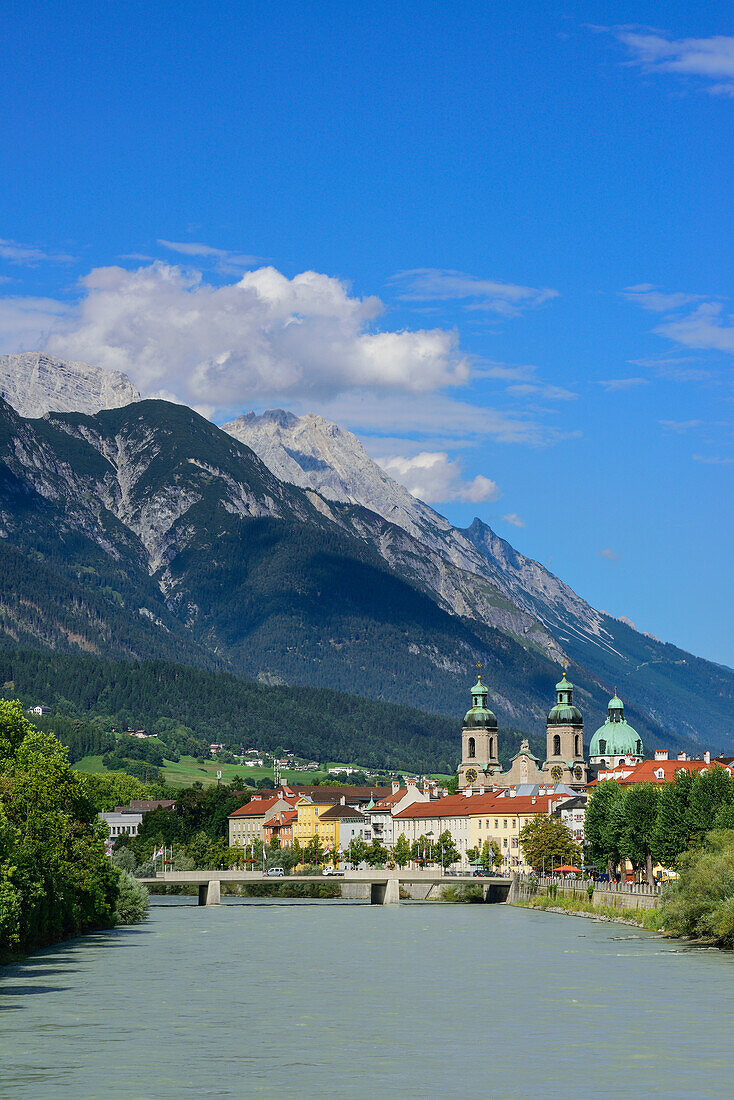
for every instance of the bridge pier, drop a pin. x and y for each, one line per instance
(385, 893)
(210, 893)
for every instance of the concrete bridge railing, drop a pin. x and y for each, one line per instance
(384, 886)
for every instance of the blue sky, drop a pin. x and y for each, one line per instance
(517, 224)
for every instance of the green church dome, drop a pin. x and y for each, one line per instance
(564, 713)
(479, 713)
(616, 737)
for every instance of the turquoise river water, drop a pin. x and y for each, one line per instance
(342, 999)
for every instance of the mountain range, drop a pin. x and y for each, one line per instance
(277, 549)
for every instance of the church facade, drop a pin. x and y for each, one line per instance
(564, 762)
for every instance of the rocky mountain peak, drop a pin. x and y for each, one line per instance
(35, 383)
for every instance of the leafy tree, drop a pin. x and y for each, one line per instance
(132, 900)
(701, 902)
(547, 842)
(377, 854)
(357, 852)
(639, 815)
(445, 849)
(314, 851)
(55, 879)
(401, 851)
(602, 826)
(490, 855)
(710, 792)
(671, 831)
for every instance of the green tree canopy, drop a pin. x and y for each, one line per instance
(55, 879)
(547, 842)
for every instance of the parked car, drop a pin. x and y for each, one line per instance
(275, 872)
(332, 871)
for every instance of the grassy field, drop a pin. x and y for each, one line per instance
(188, 770)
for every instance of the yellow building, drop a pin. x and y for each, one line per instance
(335, 824)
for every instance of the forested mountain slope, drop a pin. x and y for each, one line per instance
(145, 531)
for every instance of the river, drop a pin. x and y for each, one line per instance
(342, 999)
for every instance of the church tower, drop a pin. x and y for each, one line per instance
(565, 738)
(479, 759)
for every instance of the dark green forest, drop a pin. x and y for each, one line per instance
(216, 706)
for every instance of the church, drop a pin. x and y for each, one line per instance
(564, 762)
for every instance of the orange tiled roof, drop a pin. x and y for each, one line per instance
(645, 771)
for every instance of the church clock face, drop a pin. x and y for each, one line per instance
(471, 775)
(578, 772)
(557, 773)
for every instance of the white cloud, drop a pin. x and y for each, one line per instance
(613, 385)
(714, 460)
(29, 256)
(227, 346)
(226, 260)
(427, 284)
(433, 477)
(680, 427)
(650, 297)
(513, 519)
(710, 58)
(610, 555)
(674, 370)
(550, 393)
(704, 328)
(25, 323)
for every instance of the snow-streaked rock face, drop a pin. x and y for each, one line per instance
(313, 453)
(35, 384)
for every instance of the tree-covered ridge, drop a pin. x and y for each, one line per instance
(55, 879)
(219, 707)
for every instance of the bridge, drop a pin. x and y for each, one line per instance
(384, 885)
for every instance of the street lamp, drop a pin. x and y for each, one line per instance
(430, 847)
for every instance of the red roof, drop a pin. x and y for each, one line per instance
(647, 771)
(258, 807)
(282, 819)
(495, 802)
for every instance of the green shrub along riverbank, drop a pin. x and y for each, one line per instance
(55, 879)
(651, 919)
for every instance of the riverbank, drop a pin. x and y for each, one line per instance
(651, 919)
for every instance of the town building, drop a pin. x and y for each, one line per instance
(381, 814)
(660, 770)
(278, 826)
(128, 819)
(246, 824)
(564, 762)
(340, 824)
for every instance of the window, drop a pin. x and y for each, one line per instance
(514, 842)
(514, 823)
(556, 745)
(504, 841)
(479, 823)
(504, 823)
(496, 823)
(487, 824)
(491, 747)
(602, 747)
(472, 749)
